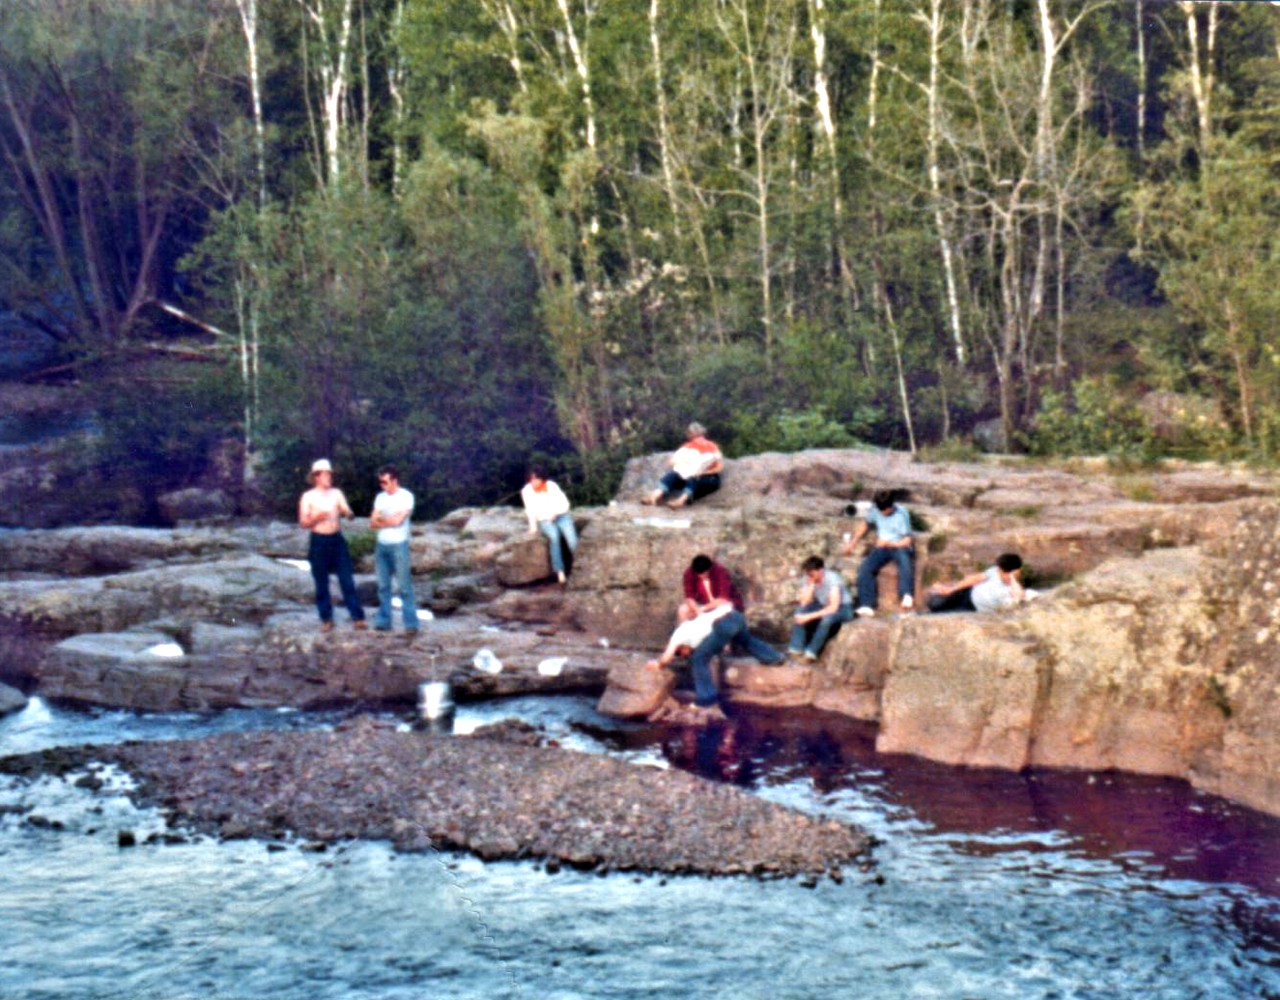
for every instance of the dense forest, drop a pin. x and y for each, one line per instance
(457, 235)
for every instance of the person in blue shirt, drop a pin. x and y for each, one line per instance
(892, 524)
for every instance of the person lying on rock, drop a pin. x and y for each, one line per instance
(999, 586)
(695, 470)
(825, 604)
(707, 586)
(320, 511)
(547, 509)
(892, 524)
(700, 639)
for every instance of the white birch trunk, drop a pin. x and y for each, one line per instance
(935, 183)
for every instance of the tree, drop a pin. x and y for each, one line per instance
(103, 105)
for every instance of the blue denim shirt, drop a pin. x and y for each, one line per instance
(891, 527)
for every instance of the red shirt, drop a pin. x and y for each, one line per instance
(720, 583)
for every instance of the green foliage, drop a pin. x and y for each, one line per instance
(787, 432)
(1094, 418)
(1218, 697)
(381, 345)
(161, 426)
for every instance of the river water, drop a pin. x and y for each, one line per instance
(986, 885)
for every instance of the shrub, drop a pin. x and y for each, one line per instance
(1094, 418)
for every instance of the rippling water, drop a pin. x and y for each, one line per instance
(986, 885)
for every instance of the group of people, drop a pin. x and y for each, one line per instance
(321, 511)
(711, 620)
(710, 616)
(323, 507)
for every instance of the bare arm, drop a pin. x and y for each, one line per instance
(972, 580)
(858, 534)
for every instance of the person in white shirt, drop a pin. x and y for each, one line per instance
(998, 586)
(320, 511)
(702, 638)
(547, 509)
(392, 509)
(695, 470)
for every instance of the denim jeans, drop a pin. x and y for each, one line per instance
(961, 600)
(329, 554)
(812, 636)
(392, 560)
(873, 563)
(555, 530)
(731, 628)
(695, 488)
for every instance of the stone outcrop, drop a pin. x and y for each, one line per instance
(11, 700)
(287, 661)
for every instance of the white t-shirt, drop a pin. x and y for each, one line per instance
(391, 504)
(691, 633)
(545, 504)
(693, 459)
(991, 594)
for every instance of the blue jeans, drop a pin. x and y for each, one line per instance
(560, 527)
(801, 638)
(393, 560)
(695, 488)
(731, 628)
(870, 566)
(329, 554)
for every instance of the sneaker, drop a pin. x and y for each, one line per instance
(561, 577)
(908, 602)
(326, 626)
(810, 657)
(865, 612)
(360, 625)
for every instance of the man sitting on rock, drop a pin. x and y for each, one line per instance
(695, 470)
(825, 604)
(999, 586)
(700, 639)
(892, 524)
(707, 586)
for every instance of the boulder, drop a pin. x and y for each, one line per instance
(633, 691)
(523, 561)
(108, 549)
(11, 700)
(195, 504)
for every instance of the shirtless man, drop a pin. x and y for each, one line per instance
(320, 511)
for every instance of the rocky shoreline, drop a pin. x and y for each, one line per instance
(499, 794)
(1155, 649)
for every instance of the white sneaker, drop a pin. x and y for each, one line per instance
(908, 602)
(865, 612)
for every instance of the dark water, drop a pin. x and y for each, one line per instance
(986, 885)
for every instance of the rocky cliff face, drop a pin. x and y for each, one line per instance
(1153, 649)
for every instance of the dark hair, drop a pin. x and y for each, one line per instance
(1009, 561)
(537, 469)
(813, 562)
(391, 471)
(701, 564)
(885, 499)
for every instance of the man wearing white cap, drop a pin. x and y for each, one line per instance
(320, 511)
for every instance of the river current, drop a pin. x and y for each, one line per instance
(986, 885)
